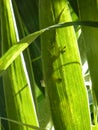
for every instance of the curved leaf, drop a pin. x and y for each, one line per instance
(15, 50)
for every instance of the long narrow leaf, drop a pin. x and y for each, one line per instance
(89, 11)
(22, 124)
(17, 90)
(26, 41)
(62, 69)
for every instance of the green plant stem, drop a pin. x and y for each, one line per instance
(62, 69)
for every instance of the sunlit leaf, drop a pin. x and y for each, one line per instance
(15, 50)
(22, 124)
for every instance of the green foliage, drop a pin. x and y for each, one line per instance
(62, 68)
(64, 100)
(91, 47)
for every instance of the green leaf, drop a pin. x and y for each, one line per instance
(22, 124)
(16, 85)
(89, 11)
(15, 50)
(62, 68)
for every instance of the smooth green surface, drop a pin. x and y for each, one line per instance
(95, 127)
(16, 49)
(58, 52)
(22, 124)
(62, 69)
(17, 91)
(26, 54)
(88, 11)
